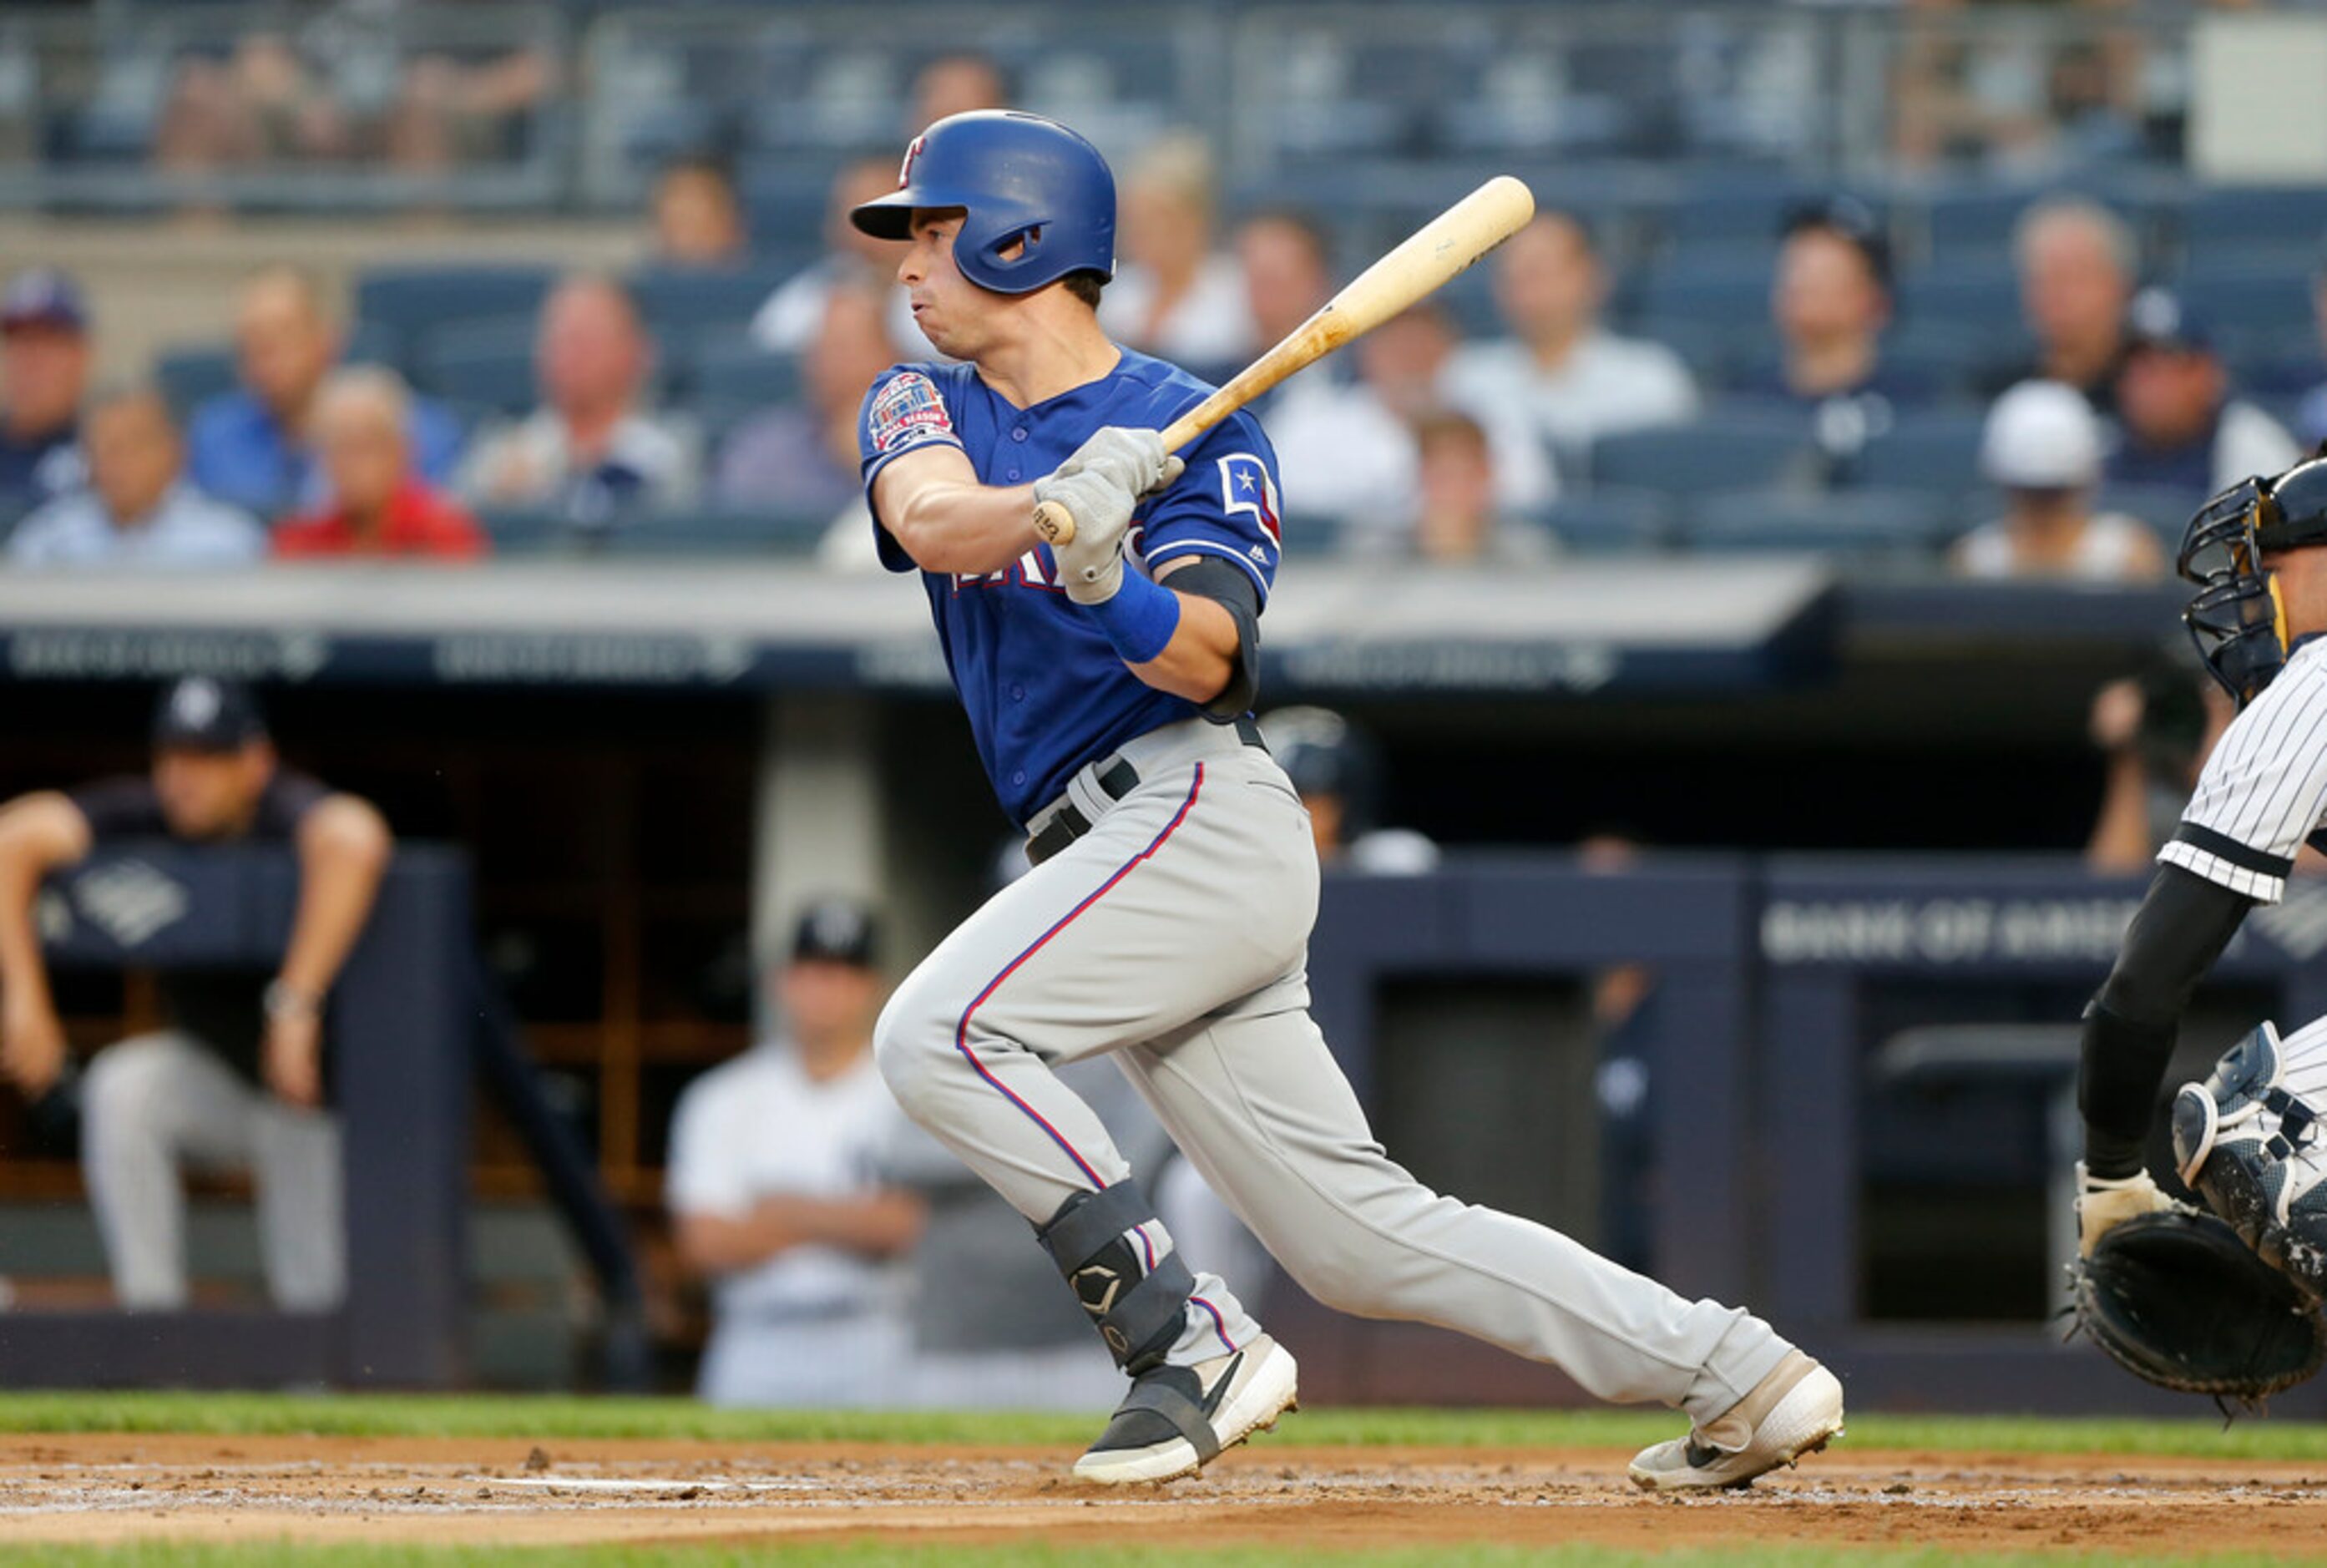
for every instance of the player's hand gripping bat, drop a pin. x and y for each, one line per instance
(1425, 261)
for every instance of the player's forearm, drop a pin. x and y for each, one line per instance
(1201, 658)
(38, 833)
(965, 529)
(2183, 924)
(879, 1226)
(344, 850)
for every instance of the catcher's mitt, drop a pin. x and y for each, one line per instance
(2178, 1300)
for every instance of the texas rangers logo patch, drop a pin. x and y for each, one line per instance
(1246, 488)
(907, 413)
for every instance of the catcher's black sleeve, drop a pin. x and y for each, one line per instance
(1229, 587)
(2183, 924)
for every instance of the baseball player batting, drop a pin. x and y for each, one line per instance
(1110, 684)
(2245, 1139)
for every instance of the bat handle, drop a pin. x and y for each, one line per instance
(1055, 523)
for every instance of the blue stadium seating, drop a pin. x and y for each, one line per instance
(722, 533)
(485, 364)
(1730, 292)
(2166, 509)
(525, 531)
(2259, 297)
(1609, 520)
(1728, 452)
(734, 370)
(2228, 225)
(679, 302)
(412, 300)
(1934, 453)
(1859, 524)
(1976, 297)
(189, 378)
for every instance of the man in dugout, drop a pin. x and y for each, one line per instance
(237, 1076)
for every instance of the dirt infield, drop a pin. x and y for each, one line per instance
(90, 1489)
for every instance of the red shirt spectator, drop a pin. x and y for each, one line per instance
(417, 522)
(380, 505)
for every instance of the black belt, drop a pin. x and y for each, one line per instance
(1068, 823)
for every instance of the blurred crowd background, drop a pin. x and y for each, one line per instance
(1790, 261)
(1932, 293)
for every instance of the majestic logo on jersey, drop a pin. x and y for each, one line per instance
(1245, 487)
(907, 413)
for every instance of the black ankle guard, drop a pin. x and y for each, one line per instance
(1140, 1312)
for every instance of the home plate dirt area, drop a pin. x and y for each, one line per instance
(94, 1489)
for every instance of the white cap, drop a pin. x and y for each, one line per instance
(2042, 436)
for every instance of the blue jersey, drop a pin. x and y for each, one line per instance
(1045, 692)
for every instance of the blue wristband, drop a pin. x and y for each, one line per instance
(1140, 619)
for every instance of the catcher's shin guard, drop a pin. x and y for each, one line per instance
(1139, 1308)
(2232, 1130)
(2294, 1229)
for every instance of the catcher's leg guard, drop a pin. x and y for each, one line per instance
(1138, 1308)
(2225, 1129)
(2294, 1194)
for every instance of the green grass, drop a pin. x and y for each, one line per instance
(576, 1419)
(867, 1554)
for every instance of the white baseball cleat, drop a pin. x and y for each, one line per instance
(1176, 1420)
(1796, 1410)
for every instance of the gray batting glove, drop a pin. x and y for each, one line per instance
(1134, 460)
(1090, 565)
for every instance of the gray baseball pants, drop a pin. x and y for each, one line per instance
(158, 1101)
(1174, 935)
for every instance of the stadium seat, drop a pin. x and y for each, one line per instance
(680, 303)
(412, 300)
(2254, 296)
(1729, 293)
(730, 371)
(189, 378)
(2230, 225)
(714, 533)
(2166, 509)
(1860, 524)
(526, 530)
(1982, 298)
(1609, 520)
(1724, 453)
(1931, 454)
(485, 365)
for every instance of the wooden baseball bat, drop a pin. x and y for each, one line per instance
(1427, 260)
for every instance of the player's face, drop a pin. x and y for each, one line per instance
(2301, 576)
(952, 310)
(825, 1002)
(208, 794)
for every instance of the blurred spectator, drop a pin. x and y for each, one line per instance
(954, 84)
(1830, 301)
(2311, 415)
(1458, 521)
(1338, 772)
(588, 452)
(1574, 379)
(342, 84)
(1174, 296)
(2018, 100)
(45, 362)
(252, 447)
(1408, 367)
(787, 318)
(237, 1076)
(799, 459)
(2078, 264)
(775, 1191)
(138, 510)
(2183, 430)
(697, 220)
(2156, 729)
(380, 505)
(2043, 448)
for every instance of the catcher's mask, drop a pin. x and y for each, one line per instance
(2237, 618)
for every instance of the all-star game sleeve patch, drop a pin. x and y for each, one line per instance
(908, 412)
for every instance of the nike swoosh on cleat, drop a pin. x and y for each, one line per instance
(1211, 1404)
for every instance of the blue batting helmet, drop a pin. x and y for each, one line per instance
(1019, 178)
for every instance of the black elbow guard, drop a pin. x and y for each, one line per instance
(1231, 588)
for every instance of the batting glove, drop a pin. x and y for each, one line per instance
(1133, 459)
(1090, 565)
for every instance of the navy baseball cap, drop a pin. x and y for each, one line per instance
(836, 930)
(43, 296)
(2159, 318)
(200, 713)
